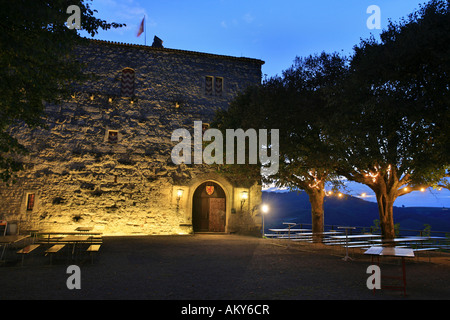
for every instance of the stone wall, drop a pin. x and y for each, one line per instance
(80, 178)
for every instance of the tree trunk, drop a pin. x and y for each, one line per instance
(386, 211)
(316, 197)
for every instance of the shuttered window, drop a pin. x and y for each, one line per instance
(127, 89)
(213, 86)
(113, 136)
(209, 86)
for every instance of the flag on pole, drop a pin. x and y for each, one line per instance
(141, 27)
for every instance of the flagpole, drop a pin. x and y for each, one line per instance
(145, 30)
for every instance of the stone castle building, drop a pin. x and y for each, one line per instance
(104, 159)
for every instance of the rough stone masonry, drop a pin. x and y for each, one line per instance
(104, 159)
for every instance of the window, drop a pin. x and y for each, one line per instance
(213, 86)
(113, 136)
(30, 201)
(219, 86)
(127, 89)
(209, 86)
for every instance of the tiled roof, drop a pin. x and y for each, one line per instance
(137, 46)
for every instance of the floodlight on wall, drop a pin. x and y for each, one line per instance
(244, 197)
(179, 195)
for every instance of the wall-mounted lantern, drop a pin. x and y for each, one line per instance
(244, 197)
(179, 195)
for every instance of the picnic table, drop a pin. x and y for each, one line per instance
(324, 233)
(6, 241)
(74, 240)
(394, 241)
(59, 239)
(309, 235)
(353, 236)
(84, 229)
(392, 252)
(48, 237)
(287, 230)
(406, 241)
(357, 236)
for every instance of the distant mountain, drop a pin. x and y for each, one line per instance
(349, 211)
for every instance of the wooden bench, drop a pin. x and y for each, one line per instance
(93, 249)
(96, 239)
(27, 250)
(426, 249)
(54, 249)
(356, 243)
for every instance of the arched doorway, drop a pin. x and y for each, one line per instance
(209, 208)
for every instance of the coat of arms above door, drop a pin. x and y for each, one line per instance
(209, 190)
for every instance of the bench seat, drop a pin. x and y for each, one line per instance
(28, 249)
(93, 249)
(53, 250)
(425, 249)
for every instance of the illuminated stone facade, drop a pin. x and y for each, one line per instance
(104, 159)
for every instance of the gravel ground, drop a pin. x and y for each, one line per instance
(217, 267)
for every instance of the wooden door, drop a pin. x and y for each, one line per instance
(209, 208)
(217, 214)
(201, 214)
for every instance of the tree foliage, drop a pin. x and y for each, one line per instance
(382, 120)
(293, 103)
(37, 65)
(390, 118)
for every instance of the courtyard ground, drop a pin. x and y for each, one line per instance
(219, 267)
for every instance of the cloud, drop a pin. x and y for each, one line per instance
(129, 12)
(236, 22)
(248, 18)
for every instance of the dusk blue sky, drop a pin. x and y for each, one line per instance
(273, 31)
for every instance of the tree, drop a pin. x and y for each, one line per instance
(294, 104)
(37, 64)
(389, 123)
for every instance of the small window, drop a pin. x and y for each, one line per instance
(205, 126)
(213, 86)
(30, 201)
(209, 86)
(127, 89)
(113, 136)
(219, 86)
